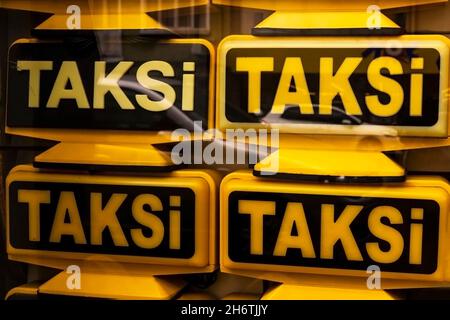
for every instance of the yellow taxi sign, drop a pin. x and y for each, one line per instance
(270, 227)
(391, 86)
(166, 219)
(154, 86)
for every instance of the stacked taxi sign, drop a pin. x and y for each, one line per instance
(329, 206)
(103, 199)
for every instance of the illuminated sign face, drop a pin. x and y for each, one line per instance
(154, 220)
(152, 85)
(290, 227)
(384, 86)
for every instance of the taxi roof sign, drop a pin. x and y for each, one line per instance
(157, 85)
(76, 95)
(335, 85)
(53, 218)
(335, 230)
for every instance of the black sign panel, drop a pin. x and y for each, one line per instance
(108, 219)
(137, 84)
(337, 232)
(346, 86)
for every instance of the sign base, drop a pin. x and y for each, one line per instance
(294, 23)
(342, 166)
(99, 156)
(304, 292)
(98, 284)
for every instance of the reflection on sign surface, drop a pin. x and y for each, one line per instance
(344, 86)
(300, 227)
(146, 218)
(154, 85)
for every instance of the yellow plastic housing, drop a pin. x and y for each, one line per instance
(325, 44)
(255, 204)
(201, 183)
